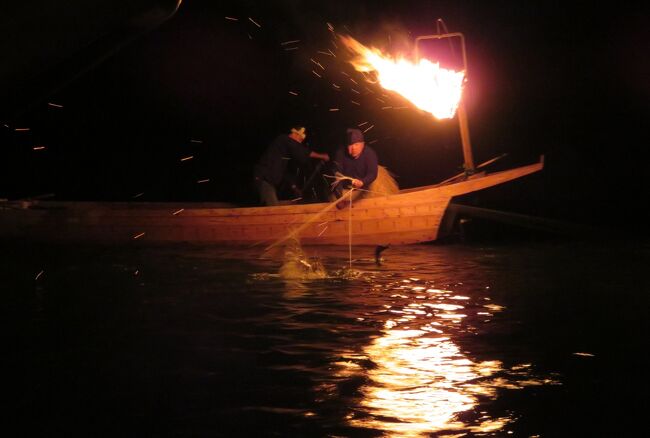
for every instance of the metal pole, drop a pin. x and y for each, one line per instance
(462, 114)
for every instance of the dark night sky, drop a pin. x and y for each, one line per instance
(567, 81)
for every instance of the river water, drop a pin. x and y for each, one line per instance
(543, 338)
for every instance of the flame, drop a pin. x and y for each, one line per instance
(431, 88)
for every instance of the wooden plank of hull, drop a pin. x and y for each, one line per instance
(369, 225)
(408, 217)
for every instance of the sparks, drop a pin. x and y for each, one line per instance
(254, 22)
(317, 63)
(138, 236)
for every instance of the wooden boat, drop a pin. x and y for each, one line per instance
(410, 216)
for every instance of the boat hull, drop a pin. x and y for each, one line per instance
(410, 216)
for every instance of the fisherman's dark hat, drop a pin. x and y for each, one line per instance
(354, 136)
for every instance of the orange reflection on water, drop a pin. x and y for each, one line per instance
(421, 383)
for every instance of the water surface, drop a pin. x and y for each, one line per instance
(526, 339)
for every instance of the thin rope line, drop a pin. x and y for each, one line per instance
(375, 191)
(342, 178)
(296, 232)
(350, 229)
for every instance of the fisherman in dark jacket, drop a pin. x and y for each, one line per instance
(271, 169)
(356, 161)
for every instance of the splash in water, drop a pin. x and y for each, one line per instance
(297, 266)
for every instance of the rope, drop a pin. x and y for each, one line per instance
(375, 191)
(295, 232)
(350, 229)
(340, 177)
(337, 179)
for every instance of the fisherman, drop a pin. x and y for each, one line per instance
(357, 164)
(271, 170)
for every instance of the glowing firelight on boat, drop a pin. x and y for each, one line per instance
(428, 86)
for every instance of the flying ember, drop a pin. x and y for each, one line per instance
(427, 85)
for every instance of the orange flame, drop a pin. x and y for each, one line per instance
(431, 88)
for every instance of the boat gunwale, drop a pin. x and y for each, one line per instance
(424, 194)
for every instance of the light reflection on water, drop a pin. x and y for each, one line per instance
(421, 381)
(417, 382)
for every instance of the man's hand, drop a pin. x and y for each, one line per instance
(319, 156)
(357, 183)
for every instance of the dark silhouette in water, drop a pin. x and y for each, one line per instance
(378, 250)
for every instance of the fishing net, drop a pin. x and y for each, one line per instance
(384, 185)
